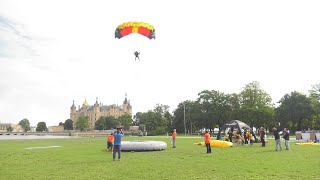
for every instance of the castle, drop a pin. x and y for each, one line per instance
(94, 112)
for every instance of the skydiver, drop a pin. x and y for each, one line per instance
(136, 53)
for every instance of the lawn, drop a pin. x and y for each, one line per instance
(86, 158)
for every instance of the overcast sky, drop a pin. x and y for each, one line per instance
(54, 52)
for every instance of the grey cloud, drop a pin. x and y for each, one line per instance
(14, 39)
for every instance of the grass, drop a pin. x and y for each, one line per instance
(86, 158)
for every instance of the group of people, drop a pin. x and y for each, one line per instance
(241, 137)
(245, 137)
(285, 136)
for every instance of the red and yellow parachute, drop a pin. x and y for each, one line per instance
(142, 28)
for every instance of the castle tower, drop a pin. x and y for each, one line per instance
(85, 105)
(73, 108)
(73, 113)
(126, 105)
(96, 109)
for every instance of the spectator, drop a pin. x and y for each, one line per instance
(117, 143)
(110, 141)
(277, 138)
(286, 138)
(207, 141)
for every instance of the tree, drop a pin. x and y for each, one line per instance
(155, 121)
(217, 106)
(137, 118)
(82, 123)
(68, 124)
(314, 95)
(256, 108)
(189, 113)
(60, 123)
(100, 124)
(41, 127)
(25, 124)
(111, 122)
(108, 122)
(9, 129)
(125, 120)
(295, 110)
(213, 109)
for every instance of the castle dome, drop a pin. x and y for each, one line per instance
(85, 103)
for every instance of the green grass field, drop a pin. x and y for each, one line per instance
(86, 158)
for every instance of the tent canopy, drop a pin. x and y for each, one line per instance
(236, 124)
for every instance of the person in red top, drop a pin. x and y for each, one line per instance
(207, 141)
(174, 136)
(110, 141)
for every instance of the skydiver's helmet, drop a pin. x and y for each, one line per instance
(152, 35)
(117, 33)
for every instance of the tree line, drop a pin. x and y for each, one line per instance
(212, 108)
(252, 105)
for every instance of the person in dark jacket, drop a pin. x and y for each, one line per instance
(277, 138)
(245, 136)
(286, 138)
(262, 134)
(219, 135)
(230, 133)
(254, 135)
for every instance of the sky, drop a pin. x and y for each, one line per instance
(53, 52)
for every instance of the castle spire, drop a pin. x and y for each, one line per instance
(96, 104)
(125, 100)
(73, 106)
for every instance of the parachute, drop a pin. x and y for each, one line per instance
(142, 28)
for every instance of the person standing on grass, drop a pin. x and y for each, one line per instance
(117, 143)
(253, 134)
(174, 136)
(262, 134)
(110, 141)
(277, 138)
(286, 137)
(207, 141)
(219, 135)
(230, 133)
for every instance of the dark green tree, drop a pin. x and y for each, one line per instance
(68, 124)
(125, 120)
(100, 124)
(314, 95)
(110, 122)
(155, 121)
(295, 111)
(41, 127)
(25, 124)
(82, 123)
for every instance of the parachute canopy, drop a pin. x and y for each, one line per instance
(142, 28)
